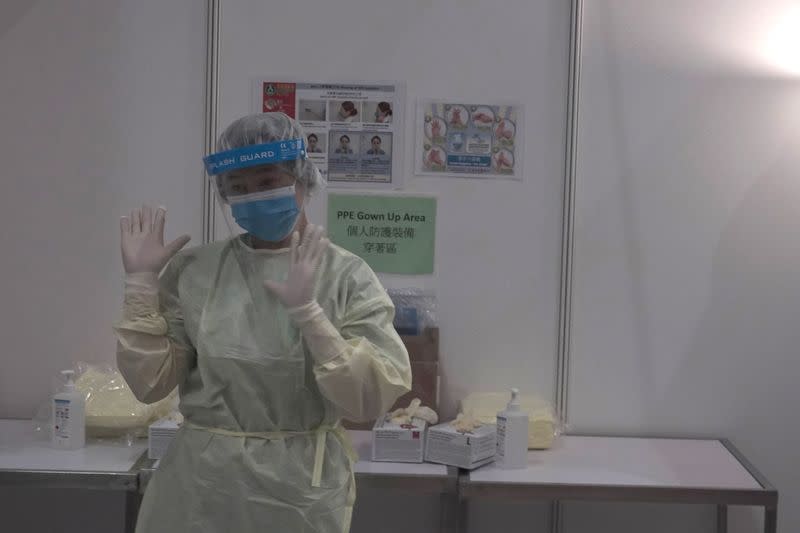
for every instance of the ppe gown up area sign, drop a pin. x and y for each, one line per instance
(393, 234)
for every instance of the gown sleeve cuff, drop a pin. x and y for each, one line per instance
(324, 341)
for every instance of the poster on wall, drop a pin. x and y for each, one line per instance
(468, 140)
(353, 130)
(393, 234)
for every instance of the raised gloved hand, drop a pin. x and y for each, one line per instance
(142, 238)
(298, 288)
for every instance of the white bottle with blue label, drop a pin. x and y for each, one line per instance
(512, 435)
(69, 416)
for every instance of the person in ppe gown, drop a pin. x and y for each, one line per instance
(272, 337)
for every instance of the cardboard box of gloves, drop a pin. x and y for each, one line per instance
(411, 440)
(466, 448)
(399, 441)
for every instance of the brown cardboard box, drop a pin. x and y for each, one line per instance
(423, 351)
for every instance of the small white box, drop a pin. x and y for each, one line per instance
(159, 436)
(403, 443)
(464, 449)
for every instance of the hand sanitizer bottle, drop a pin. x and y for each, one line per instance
(512, 435)
(69, 416)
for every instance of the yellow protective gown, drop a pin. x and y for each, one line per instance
(261, 449)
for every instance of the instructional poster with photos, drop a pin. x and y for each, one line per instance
(353, 130)
(468, 140)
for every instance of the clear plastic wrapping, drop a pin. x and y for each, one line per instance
(112, 411)
(545, 424)
(415, 310)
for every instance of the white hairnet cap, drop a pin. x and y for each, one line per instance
(262, 128)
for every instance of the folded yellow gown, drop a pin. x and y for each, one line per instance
(543, 426)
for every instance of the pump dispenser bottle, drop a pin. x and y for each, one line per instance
(512, 435)
(69, 416)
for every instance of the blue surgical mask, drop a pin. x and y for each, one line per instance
(270, 216)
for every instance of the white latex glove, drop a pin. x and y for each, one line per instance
(298, 288)
(143, 248)
(428, 415)
(465, 422)
(414, 410)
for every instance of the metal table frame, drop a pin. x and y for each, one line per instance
(127, 482)
(455, 490)
(766, 497)
(445, 486)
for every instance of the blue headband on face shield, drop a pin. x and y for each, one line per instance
(255, 155)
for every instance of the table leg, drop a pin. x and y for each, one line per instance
(770, 520)
(462, 525)
(132, 502)
(722, 519)
(449, 510)
(556, 524)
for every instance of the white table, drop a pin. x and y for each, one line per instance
(28, 460)
(660, 470)
(423, 477)
(577, 468)
(420, 478)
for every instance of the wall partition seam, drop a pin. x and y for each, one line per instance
(568, 233)
(568, 224)
(213, 11)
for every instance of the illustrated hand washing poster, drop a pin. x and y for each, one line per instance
(353, 130)
(469, 140)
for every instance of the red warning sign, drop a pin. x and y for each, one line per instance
(278, 97)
